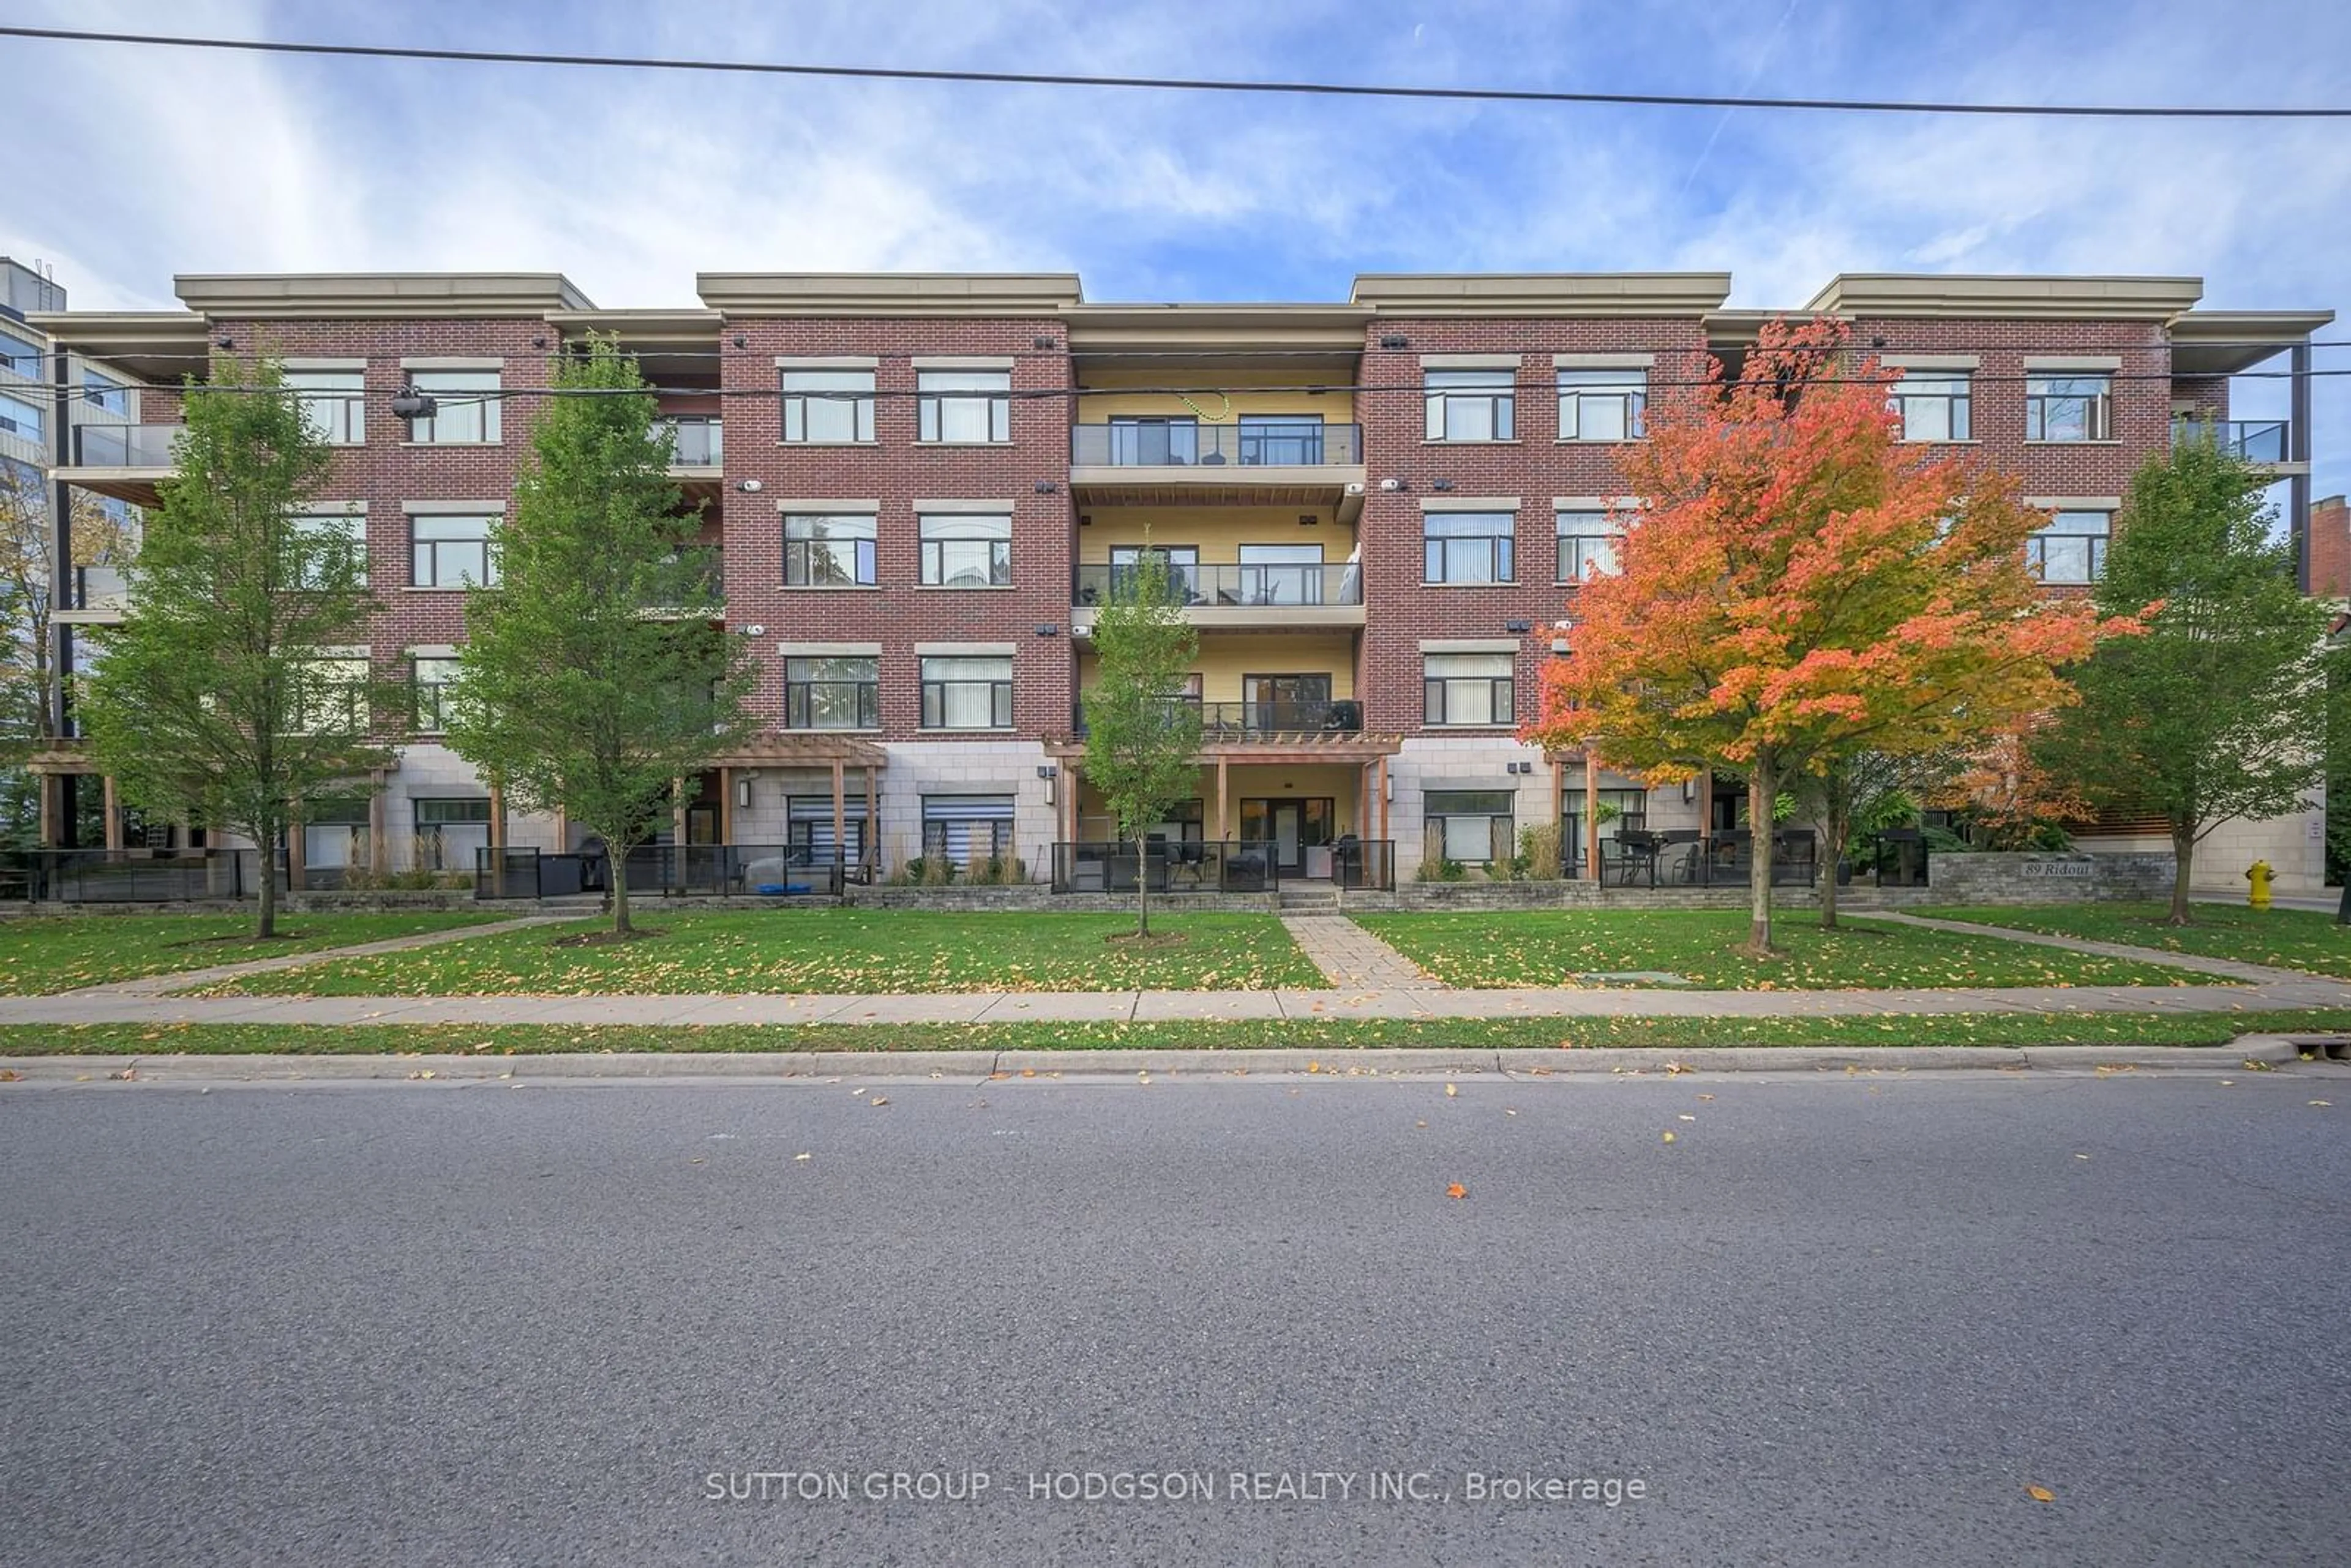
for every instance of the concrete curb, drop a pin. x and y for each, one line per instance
(976, 1066)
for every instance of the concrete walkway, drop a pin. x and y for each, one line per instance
(1349, 955)
(187, 979)
(2227, 968)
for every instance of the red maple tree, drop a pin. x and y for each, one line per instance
(1798, 585)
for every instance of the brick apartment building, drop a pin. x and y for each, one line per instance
(922, 484)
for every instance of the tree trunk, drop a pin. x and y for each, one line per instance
(265, 855)
(618, 877)
(1141, 888)
(2183, 862)
(1759, 796)
(1836, 828)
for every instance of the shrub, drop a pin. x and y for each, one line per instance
(1539, 851)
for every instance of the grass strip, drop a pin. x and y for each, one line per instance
(2301, 939)
(41, 954)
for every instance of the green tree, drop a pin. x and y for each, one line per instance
(595, 673)
(2223, 708)
(29, 575)
(1142, 742)
(239, 681)
(1862, 792)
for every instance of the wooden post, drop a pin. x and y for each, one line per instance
(1383, 792)
(563, 830)
(113, 814)
(50, 811)
(1072, 786)
(1224, 787)
(839, 808)
(866, 854)
(1592, 813)
(497, 817)
(378, 834)
(1705, 810)
(297, 843)
(677, 816)
(1558, 795)
(727, 805)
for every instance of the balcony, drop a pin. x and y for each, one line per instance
(699, 443)
(2262, 441)
(705, 573)
(124, 461)
(1265, 596)
(96, 595)
(1267, 462)
(1268, 723)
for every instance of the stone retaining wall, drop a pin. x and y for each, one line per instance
(2030, 878)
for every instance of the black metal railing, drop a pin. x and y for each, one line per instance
(1301, 443)
(664, 871)
(124, 446)
(1222, 722)
(1248, 585)
(700, 441)
(132, 875)
(2253, 439)
(1177, 866)
(1681, 858)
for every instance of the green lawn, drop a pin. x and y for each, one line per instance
(1338, 1035)
(1553, 948)
(2288, 938)
(40, 954)
(826, 950)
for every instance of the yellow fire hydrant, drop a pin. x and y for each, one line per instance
(2259, 874)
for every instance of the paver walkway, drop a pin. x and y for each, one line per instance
(1349, 955)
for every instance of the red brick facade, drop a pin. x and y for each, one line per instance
(2330, 549)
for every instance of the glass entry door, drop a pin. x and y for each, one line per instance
(1289, 828)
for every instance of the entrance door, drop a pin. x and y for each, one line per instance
(1288, 827)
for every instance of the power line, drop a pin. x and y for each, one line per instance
(1191, 84)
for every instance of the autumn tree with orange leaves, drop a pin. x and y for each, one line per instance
(1797, 585)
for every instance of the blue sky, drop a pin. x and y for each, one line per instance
(145, 164)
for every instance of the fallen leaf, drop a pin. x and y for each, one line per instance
(1420, 1123)
(1313, 1067)
(2252, 1065)
(2313, 1101)
(2081, 1157)
(9, 1075)
(803, 1156)
(1456, 1190)
(879, 1099)
(1450, 1091)
(2041, 1494)
(1508, 1112)
(995, 1075)
(1670, 1137)
(1687, 1117)
(1706, 1096)
(695, 1161)
(1675, 1070)
(130, 1072)
(1028, 1072)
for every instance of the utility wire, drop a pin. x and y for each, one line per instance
(1192, 84)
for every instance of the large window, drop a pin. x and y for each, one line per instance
(449, 831)
(330, 694)
(967, 828)
(1602, 405)
(447, 551)
(966, 550)
(326, 545)
(1475, 827)
(807, 830)
(334, 833)
(829, 549)
(964, 406)
(1144, 442)
(20, 357)
(1468, 547)
(465, 408)
(2068, 408)
(832, 693)
(334, 405)
(1587, 544)
(1282, 440)
(104, 393)
(1181, 562)
(966, 693)
(2072, 547)
(20, 418)
(828, 407)
(433, 679)
(1471, 406)
(1281, 574)
(1936, 405)
(1467, 688)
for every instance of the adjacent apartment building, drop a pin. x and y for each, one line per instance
(922, 486)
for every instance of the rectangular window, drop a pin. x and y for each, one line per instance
(1154, 442)
(1475, 827)
(828, 407)
(449, 831)
(1587, 544)
(829, 549)
(1934, 405)
(335, 832)
(465, 412)
(2070, 549)
(19, 358)
(333, 404)
(1471, 406)
(1602, 405)
(832, 694)
(807, 830)
(322, 543)
(20, 418)
(963, 693)
(1468, 547)
(432, 678)
(1282, 440)
(1467, 688)
(330, 695)
(452, 552)
(104, 393)
(966, 550)
(963, 407)
(2068, 408)
(1182, 562)
(967, 828)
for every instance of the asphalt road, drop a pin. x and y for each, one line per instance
(1842, 1320)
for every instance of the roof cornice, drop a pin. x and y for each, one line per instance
(752, 294)
(2005, 297)
(1563, 294)
(312, 296)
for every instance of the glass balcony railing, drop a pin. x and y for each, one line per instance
(1266, 720)
(124, 446)
(699, 442)
(98, 588)
(2253, 439)
(1222, 585)
(1173, 443)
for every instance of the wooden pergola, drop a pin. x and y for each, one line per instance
(820, 752)
(1301, 748)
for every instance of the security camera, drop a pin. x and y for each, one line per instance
(750, 486)
(1354, 486)
(1391, 483)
